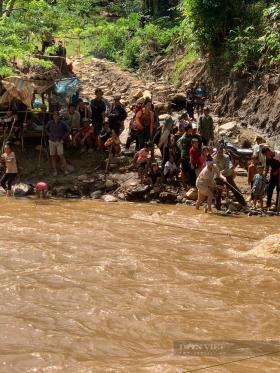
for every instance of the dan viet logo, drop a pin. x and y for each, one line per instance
(220, 347)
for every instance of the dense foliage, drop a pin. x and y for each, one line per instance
(246, 31)
(132, 32)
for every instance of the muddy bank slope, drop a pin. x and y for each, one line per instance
(252, 97)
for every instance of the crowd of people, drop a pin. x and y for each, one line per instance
(181, 150)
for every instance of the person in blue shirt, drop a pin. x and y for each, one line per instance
(200, 97)
(57, 131)
(258, 188)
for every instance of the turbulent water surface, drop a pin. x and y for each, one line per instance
(93, 287)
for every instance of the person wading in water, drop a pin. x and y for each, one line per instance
(9, 159)
(58, 131)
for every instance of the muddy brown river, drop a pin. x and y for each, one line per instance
(93, 287)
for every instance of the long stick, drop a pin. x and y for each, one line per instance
(4, 139)
(107, 165)
(278, 196)
(41, 145)
(237, 191)
(7, 138)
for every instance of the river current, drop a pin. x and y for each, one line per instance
(94, 287)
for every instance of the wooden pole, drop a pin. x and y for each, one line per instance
(107, 165)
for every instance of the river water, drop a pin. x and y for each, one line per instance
(93, 287)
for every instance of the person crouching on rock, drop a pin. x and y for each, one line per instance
(58, 131)
(205, 184)
(141, 159)
(113, 144)
(154, 175)
(41, 189)
(9, 159)
(85, 137)
(170, 170)
(104, 135)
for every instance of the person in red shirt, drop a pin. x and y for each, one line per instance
(85, 137)
(195, 155)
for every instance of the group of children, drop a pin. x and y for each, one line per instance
(147, 165)
(88, 140)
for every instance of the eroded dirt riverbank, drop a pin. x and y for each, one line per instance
(87, 178)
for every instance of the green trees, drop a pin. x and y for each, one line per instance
(158, 8)
(241, 29)
(212, 20)
(133, 32)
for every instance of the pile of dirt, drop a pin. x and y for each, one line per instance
(114, 80)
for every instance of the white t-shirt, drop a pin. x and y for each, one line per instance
(169, 167)
(257, 152)
(206, 177)
(277, 155)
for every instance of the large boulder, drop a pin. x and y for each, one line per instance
(147, 95)
(162, 117)
(59, 191)
(96, 194)
(109, 198)
(137, 94)
(230, 126)
(168, 197)
(192, 194)
(82, 177)
(22, 190)
(86, 187)
(179, 100)
(137, 192)
(161, 108)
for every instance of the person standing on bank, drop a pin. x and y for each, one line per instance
(9, 159)
(272, 165)
(98, 110)
(206, 127)
(184, 144)
(117, 116)
(190, 94)
(57, 131)
(145, 122)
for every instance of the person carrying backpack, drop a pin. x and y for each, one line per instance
(144, 125)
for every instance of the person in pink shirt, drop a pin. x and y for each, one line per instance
(195, 155)
(202, 159)
(141, 158)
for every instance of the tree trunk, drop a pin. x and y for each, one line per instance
(10, 7)
(1, 8)
(155, 8)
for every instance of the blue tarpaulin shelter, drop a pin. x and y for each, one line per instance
(67, 87)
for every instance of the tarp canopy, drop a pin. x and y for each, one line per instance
(23, 89)
(67, 87)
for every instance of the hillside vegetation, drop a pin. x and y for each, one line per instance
(240, 34)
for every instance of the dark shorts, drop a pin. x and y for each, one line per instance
(199, 105)
(142, 167)
(98, 127)
(7, 180)
(185, 165)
